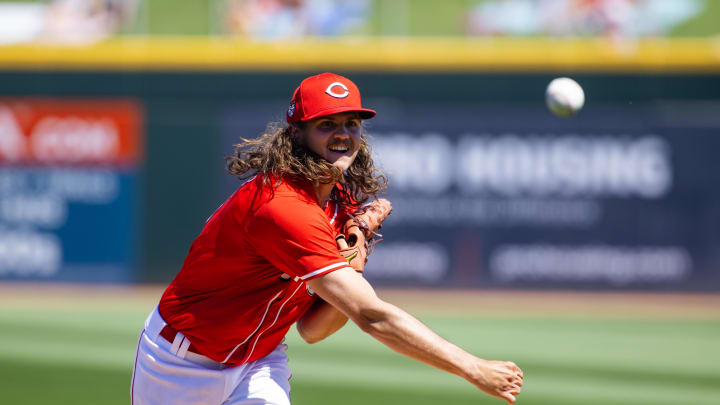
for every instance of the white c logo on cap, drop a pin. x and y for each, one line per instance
(330, 91)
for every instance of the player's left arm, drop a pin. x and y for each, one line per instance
(320, 321)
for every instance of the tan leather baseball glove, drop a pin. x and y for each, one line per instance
(360, 232)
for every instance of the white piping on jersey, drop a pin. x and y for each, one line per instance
(257, 339)
(318, 271)
(256, 329)
(335, 214)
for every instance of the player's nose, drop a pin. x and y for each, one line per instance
(342, 130)
(341, 133)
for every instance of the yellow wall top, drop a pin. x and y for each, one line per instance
(394, 54)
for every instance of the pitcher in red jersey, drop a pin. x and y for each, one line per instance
(271, 256)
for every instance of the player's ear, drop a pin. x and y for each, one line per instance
(296, 132)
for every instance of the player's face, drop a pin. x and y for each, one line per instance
(336, 138)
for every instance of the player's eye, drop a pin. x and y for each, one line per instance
(326, 126)
(353, 124)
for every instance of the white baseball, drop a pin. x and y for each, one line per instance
(564, 97)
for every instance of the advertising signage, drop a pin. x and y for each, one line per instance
(69, 189)
(508, 196)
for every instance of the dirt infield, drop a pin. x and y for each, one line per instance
(456, 302)
(79, 296)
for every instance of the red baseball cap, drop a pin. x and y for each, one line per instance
(325, 94)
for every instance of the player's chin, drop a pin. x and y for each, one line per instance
(341, 161)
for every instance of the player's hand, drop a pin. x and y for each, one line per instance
(371, 216)
(502, 379)
(353, 243)
(355, 255)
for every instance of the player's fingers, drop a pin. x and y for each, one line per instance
(515, 380)
(341, 242)
(510, 398)
(388, 207)
(384, 206)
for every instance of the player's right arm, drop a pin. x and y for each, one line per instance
(352, 295)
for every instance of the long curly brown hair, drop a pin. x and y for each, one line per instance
(279, 153)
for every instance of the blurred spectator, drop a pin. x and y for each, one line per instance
(84, 21)
(267, 19)
(75, 21)
(613, 18)
(294, 19)
(504, 17)
(21, 22)
(337, 17)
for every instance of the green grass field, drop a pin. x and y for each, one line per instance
(76, 346)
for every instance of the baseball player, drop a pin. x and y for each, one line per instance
(288, 247)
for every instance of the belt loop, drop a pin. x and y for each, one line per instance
(182, 351)
(154, 324)
(179, 338)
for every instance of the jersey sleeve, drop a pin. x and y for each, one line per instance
(295, 237)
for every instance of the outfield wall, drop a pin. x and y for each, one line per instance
(490, 190)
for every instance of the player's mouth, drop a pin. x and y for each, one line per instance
(339, 148)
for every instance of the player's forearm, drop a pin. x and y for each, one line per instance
(403, 333)
(321, 321)
(351, 294)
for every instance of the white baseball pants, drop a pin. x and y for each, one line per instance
(164, 373)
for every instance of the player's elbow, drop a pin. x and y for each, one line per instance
(313, 331)
(368, 326)
(373, 321)
(310, 335)
(310, 339)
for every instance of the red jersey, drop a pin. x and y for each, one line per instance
(242, 284)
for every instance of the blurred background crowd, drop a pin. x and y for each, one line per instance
(268, 20)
